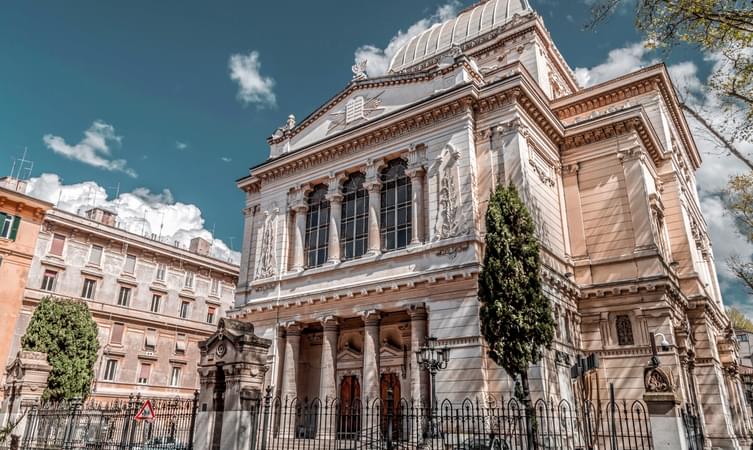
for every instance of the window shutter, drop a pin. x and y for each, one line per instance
(117, 333)
(14, 228)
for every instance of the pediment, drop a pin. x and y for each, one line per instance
(387, 350)
(349, 353)
(362, 102)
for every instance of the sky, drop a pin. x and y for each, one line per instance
(156, 108)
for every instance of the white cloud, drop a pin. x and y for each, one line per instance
(155, 215)
(378, 59)
(94, 149)
(181, 145)
(620, 61)
(226, 159)
(252, 86)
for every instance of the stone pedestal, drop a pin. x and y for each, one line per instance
(667, 428)
(231, 370)
(25, 381)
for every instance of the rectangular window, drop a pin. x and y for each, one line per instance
(624, 330)
(95, 255)
(742, 337)
(116, 338)
(144, 372)
(215, 289)
(156, 299)
(189, 280)
(160, 272)
(175, 376)
(150, 340)
(124, 297)
(210, 314)
(180, 344)
(111, 369)
(9, 226)
(48, 280)
(184, 310)
(89, 287)
(130, 264)
(58, 242)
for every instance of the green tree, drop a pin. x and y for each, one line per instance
(66, 331)
(738, 320)
(516, 317)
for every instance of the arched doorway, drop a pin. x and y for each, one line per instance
(390, 381)
(219, 406)
(349, 420)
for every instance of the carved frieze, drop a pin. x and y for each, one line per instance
(266, 266)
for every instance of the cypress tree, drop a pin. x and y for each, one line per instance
(516, 317)
(66, 331)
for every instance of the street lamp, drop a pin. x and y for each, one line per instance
(433, 358)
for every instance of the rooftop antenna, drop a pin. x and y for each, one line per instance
(143, 223)
(60, 192)
(161, 224)
(232, 238)
(21, 168)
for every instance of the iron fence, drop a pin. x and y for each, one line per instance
(693, 430)
(468, 425)
(110, 425)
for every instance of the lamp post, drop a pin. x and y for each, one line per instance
(433, 358)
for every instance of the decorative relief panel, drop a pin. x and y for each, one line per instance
(445, 173)
(541, 167)
(267, 260)
(356, 109)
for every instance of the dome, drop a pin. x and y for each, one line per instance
(472, 22)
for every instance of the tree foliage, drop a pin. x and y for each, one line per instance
(738, 320)
(66, 331)
(739, 202)
(516, 317)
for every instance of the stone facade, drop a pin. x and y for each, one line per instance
(153, 302)
(364, 231)
(20, 222)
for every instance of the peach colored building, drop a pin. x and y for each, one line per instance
(364, 230)
(20, 221)
(153, 301)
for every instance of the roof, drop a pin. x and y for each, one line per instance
(470, 23)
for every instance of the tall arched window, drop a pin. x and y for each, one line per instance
(354, 221)
(317, 227)
(395, 215)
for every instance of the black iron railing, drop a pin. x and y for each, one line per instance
(110, 425)
(467, 425)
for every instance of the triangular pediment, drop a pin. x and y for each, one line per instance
(387, 350)
(348, 353)
(362, 102)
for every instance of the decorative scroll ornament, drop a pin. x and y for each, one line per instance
(655, 380)
(267, 262)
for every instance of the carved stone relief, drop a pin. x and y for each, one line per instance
(267, 261)
(446, 174)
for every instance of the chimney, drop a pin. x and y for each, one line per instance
(14, 184)
(102, 216)
(199, 246)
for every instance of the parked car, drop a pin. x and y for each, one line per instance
(161, 443)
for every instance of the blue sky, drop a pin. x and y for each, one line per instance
(151, 83)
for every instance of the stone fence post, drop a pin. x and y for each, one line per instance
(25, 381)
(665, 415)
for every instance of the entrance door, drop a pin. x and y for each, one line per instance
(349, 422)
(390, 380)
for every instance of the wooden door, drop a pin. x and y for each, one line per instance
(349, 421)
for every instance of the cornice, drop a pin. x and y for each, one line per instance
(386, 81)
(653, 78)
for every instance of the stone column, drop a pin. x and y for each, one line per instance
(419, 378)
(299, 211)
(371, 356)
(335, 198)
(636, 184)
(374, 185)
(328, 381)
(279, 361)
(416, 175)
(290, 368)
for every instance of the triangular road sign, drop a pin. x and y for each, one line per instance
(146, 412)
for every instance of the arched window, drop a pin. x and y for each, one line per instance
(317, 227)
(395, 215)
(354, 221)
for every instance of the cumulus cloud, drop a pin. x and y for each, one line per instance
(152, 214)
(226, 159)
(253, 87)
(181, 145)
(378, 59)
(718, 165)
(94, 149)
(619, 62)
